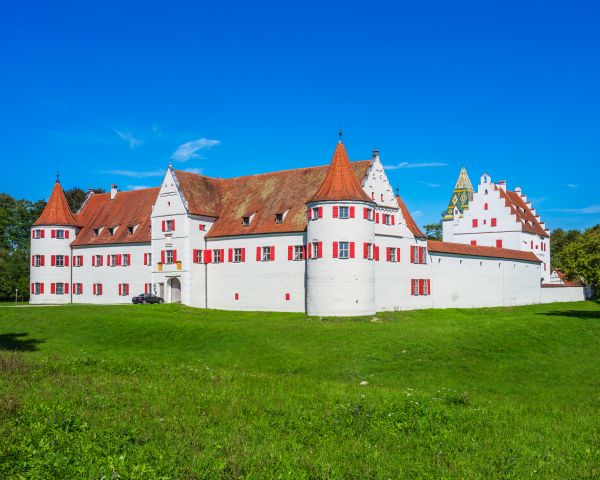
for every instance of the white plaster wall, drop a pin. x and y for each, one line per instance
(261, 286)
(467, 282)
(562, 294)
(48, 274)
(377, 186)
(340, 286)
(136, 275)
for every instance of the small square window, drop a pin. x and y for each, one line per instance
(111, 231)
(279, 218)
(60, 234)
(130, 230)
(96, 232)
(60, 288)
(245, 221)
(344, 212)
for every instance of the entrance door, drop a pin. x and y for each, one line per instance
(175, 285)
(161, 290)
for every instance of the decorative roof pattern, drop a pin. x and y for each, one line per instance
(410, 222)
(529, 222)
(480, 251)
(461, 195)
(56, 211)
(127, 210)
(340, 183)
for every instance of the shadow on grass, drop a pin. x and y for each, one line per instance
(18, 342)
(593, 314)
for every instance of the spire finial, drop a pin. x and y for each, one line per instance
(340, 133)
(57, 177)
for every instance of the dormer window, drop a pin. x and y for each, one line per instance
(130, 229)
(279, 218)
(112, 230)
(246, 221)
(96, 232)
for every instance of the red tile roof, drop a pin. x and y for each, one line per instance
(529, 222)
(56, 211)
(127, 209)
(480, 251)
(263, 196)
(410, 222)
(340, 182)
(566, 282)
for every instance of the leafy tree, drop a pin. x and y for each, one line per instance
(581, 258)
(559, 239)
(434, 230)
(76, 196)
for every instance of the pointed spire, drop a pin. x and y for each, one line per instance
(461, 195)
(340, 182)
(56, 211)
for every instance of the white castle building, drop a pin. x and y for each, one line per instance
(328, 240)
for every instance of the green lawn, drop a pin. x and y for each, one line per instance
(174, 392)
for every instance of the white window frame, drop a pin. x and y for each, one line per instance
(344, 250)
(77, 288)
(113, 260)
(169, 257)
(125, 260)
(97, 291)
(98, 260)
(315, 213)
(216, 256)
(393, 254)
(315, 250)
(37, 233)
(298, 252)
(369, 251)
(198, 256)
(77, 260)
(425, 287)
(265, 254)
(37, 260)
(62, 288)
(370, 214)
(387, 219)
(36, 289)
(169, 226)
(415, 287)
(237, 255)
(344, 212)
(60, 234)
(123, 294)
(59, 260)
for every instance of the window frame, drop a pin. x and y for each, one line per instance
(315, 250)
(216, 255)
(169, 257)
(237, 255)
(265, 253)
(58, 263)
(62, 288)
(344, 212)
(298, 252)
(60, 234)
(344, 250)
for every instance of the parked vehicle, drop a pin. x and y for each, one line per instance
(147, 298)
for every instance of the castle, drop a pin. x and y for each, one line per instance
(328, 240)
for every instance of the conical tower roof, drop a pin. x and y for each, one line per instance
(56, 211)
(461, 195)
(340, 182)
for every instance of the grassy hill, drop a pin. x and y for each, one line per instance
(173, 392)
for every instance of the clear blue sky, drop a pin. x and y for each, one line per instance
(112, 91)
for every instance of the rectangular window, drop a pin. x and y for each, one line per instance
(316, 250)
(387, 219)
(60, 288)
(392, 254)
(315, 213)
(123, 289)
(38, 233)
(420, 286)
(422, 254)
(126, 258)
(38, 261)
(197, 256)
(97, 260)
(245, 221)
(113, 260)
(266, 254)
(415, 287)
(279, 218)
(168, 257)
(217, 256)
(344, 212)
(368, 213)
(97, 289)
(78, 260)
(37, 289)
(169, 225)
(147, 259)
(425, 288)
(368, 251)
(77, 288)
(237, 255)
(299, 252)
(59, 260)
(60, 234)
(344, 250)
(201, 227)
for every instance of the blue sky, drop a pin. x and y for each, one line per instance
(112, 91)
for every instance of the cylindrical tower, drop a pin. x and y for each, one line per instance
(51, 262)
(340, 244)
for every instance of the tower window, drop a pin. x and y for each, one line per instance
(344, 212)
(344, 250)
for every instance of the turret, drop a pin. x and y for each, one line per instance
(340, 237)
(459, 202)
(51, 237)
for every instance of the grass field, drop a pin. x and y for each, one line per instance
(173, 392)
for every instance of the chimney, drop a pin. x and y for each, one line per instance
(502, 185)
(518, 190)
(113, 191)
(375, 154)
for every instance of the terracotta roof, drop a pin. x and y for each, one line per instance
(410, 223)
(480, 251)
(567, 282)
(263, 196)
(127, 209)
(519, 208)
(340, 183)
(202, 193)
(56, 211)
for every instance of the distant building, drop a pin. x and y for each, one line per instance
(328, 240)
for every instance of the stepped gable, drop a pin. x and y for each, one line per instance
(340, 183)
(263, 196)
(56, 211)
(127, 209)
(480, 251)
(410, 222)
(529, 222)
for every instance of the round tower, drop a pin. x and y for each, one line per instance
(340, 238)
(51, 262)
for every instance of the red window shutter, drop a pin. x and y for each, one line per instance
(398, 254)
(412, 286)
(66, 234)
(365, 250)
(173, 224)
(146, 261)
(164, 225)
(32, 236)
(43, 260)
(175, 256)
(53, 260)
(320, 252)
(287, 296)
(146, 285)
(309, 213)
(376, 217)
(352, 249)
(474, 223)
(365, 213)
(128, 259)
(258, 250)
(93, 260)
(120, 289)
(194, 256)
(243, 254)
(420, 254)
(108, 260)
(230, 255)
(493, 222)
(237, 296)
(412, 254)
(53, 233)
(335, 249)
(388, 254)
(32, 260)
(309, 250)
(81, 288)
(272, 257)
(32, 288)
(162, 256)
(352, 212)
(336, 211)
(222, 255)
(320, 212)
(428, 286)
(66, 260)
(207, 256)
(499, 243)
(485, 206)
(100, 286)
(393, 219)
(421, 287)
(473, 242)
(43, 232)
(53, 288)
(376, 252)
(41, 288)
(303, 251)
(127, 289)
(290, 252)
(66, 288)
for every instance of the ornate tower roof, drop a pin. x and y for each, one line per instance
(340, 182)
(461, 196)
(56, 211)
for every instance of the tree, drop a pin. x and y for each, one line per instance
(581, 258)
(76, 196)
(559, 239)
(434, 231)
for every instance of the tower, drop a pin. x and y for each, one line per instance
(51, 237)
(459, 202)
(340, 236)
